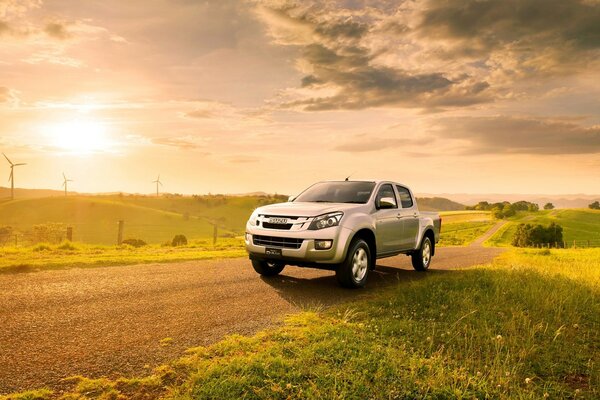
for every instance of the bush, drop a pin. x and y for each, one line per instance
(48, 233)
(529, 235)
(595, 205)
(135, 242)
(42, 247)
(548, 206)
(179, 240)
(66, 245)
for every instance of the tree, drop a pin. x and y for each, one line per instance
(508, 210)
(497, 213)
(528, 235)
(548, 206)
(595, 205)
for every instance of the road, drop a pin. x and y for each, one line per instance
(109, 321)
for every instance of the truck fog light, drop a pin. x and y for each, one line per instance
(248, 237)
(323, 244)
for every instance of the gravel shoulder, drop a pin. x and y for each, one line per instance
(110, 321)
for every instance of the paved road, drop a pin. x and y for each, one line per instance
(109, 321)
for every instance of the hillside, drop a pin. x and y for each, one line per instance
(438, 204)
(94, 218)
(578, 224)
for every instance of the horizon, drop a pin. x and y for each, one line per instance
(242, 96)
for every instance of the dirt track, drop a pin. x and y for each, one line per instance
(109, 321)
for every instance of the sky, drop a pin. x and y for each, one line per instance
(447, 96)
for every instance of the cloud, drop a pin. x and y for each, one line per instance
(337, 54)
(8, 96)
(57, 30)
(183, 143)
(527, 37)
(504, 134)
(227, 114)
(364, 143)
(242, 159)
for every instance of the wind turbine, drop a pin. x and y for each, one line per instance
(11, 178)
(65, 183)
(158, 182)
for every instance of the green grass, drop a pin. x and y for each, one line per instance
(451, 217)
(463, 233)
(65, 255)
(578, 224)
(525, 327)
(94, 218)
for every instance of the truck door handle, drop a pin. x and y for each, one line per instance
(399, 216)
(415, 215)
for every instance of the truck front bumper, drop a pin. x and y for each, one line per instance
(297, 247)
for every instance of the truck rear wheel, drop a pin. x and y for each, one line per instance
(421, 258)
(353, 272)
(267, 268)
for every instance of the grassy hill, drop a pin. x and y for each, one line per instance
(578, 224)
(94, 218)
(438, 204)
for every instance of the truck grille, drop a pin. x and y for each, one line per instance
(273, 241)
(286, 227)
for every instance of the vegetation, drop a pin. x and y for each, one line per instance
(67, 254)
(580, 225)
(438, 204)
(505, 209)
(595, 205)
(528, 235)
(525, 327)
(463, 233)
(135, 242)
(548, 206)
(179, 240)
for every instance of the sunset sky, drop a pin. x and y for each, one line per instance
(496, 96)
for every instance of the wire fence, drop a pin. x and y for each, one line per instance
(570, 244)
(112, 232)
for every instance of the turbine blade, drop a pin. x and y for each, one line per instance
(64, 176)
(17, 165)
(10, 162)
(160, 183)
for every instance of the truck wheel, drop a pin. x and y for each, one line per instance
(421, 258)
(267, 268)
(353, 272)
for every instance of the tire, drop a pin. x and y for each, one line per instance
(421, 259)
(353, 272)
(267, 268)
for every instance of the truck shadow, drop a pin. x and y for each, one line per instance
(323, 291)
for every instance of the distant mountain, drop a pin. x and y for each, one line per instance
(30, 193)
(559, 201)
(438, 204)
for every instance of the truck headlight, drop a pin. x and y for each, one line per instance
(326, 221)
(253, 221)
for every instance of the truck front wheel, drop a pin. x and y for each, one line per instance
(267, 268)
(421, 258)
(353, 272)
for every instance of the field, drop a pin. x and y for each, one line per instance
(579, 225)
(94, 218)
(460, 228)
(524, 327)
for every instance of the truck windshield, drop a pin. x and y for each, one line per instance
(338, 192)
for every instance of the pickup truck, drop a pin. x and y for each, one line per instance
(344, 226)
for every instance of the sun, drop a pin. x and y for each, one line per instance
(81, 136)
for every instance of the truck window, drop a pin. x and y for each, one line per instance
(405, 197)
(386, 191)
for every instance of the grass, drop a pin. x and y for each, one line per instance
(578, 224)
(452, 217)
(463, 233)
(524, 327)
(67, 254)
(94, 218)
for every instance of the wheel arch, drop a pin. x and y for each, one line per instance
(431, 235)
(368, 236)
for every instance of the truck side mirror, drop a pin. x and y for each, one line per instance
(386, 202)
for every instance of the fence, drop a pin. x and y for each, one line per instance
(113, 232)
(571, 244)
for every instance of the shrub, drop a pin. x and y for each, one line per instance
(179, 240)
(135, 242)
(548, 206)
(529, 235)
(66, 245)
(595, 205)
(48, 233)
(42, 247)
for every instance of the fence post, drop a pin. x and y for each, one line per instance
(120, 235)
(70, 233)
(574, 245)
(215, 234)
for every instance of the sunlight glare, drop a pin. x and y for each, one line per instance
(80, 136)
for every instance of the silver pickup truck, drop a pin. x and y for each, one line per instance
(343, 226)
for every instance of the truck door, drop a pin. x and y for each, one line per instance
(389, 226)
(409, 215)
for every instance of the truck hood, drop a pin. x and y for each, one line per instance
(300, 209)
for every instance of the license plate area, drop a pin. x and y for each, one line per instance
(269, 251)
